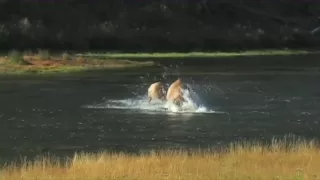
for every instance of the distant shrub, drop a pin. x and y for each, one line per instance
(28, 53)
(44, 54)
(81, 59)
(16, 57)
(66, 56)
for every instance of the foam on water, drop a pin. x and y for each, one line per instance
(193, 104)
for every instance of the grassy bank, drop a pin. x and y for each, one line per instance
(44, 63)
(167, 56)
(281, 160)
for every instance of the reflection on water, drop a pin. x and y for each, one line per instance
(63, 115)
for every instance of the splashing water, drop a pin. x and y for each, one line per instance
(192, 104)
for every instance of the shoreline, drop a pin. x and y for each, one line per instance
(282, 159)
(195, 54)
(112, 62)
(240, 60)
(17, 63)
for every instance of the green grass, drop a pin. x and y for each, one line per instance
(195, 54)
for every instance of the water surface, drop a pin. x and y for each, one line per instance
(61, 115)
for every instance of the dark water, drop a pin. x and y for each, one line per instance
(40, 115)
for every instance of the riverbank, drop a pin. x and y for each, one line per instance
(244, 60)
(282, 160)
(18, 63)
(45, 63)
(187, 55)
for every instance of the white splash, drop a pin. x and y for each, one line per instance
(193, 104)
(190, 106)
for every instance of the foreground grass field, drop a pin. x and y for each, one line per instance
(282, 160)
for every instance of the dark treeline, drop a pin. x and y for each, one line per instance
(158, 25)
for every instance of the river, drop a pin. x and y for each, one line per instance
(65, 114)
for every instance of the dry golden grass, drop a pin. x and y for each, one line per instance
(281, 160)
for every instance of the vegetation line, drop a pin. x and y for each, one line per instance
(44, 63)
(195, 54)
(159, 25)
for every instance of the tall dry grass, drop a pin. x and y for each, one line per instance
(281, 160)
